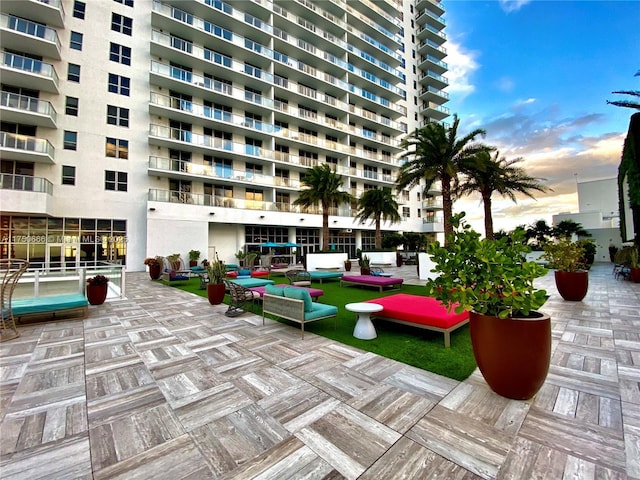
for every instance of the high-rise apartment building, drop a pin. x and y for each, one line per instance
(134, 128)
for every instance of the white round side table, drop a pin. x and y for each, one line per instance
(364, 329)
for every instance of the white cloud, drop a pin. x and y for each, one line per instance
(505, 84)
(512, 5)
(462, 64)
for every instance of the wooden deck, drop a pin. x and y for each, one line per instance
(162, 385)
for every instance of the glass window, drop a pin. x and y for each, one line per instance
(71, 106)
(73, 72)
(118, 84)
(76, 41)
(117, 148)
(68, 175)
(70, 140)
(79, 9)
(120, 54)
(122, 24)
(117, 116)
(115, 181)
(128, 3)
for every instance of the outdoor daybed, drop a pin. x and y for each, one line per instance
(421, 312)
(320, 276)
(251, 282)
(372, 280)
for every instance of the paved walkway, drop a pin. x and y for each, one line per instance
(162, 385)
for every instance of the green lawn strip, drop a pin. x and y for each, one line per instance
(414, 346)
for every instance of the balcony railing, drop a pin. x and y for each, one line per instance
(28, 104)
(25, 183)
(26, 143)
(30, 28)
(30, 65)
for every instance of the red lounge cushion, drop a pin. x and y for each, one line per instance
(260, 273)
(420, 310)
(231, 274)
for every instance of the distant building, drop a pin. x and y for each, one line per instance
(598, 213)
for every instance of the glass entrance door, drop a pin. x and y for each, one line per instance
(62, 256)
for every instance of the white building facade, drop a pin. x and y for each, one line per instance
(135, 128)
(598, 213)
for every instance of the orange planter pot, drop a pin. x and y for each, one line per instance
(513, 354)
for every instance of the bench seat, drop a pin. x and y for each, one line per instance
(49, 304)
(422, 312)
(372, 280)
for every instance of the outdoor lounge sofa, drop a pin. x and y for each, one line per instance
(295, 304)
(50, 305)
(371, 280)
(320, 276)
(421, 312)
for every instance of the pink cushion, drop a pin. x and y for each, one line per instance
(372, 280)
(417, 309)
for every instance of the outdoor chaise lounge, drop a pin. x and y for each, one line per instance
(371, 280)
(421, 312)
(320, 276)
(251, 282)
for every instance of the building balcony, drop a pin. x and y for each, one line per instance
(27, 110)
(427, 32)
(23, 148)
(434, 203)
(429, 62)
(431, 78)
(434, 111)
(433, 94)
(432, 226)
(33, 74)
(178, 169)
(429, 17)
(49, 12)
(27, 36)
(431, 47)
(20, 194)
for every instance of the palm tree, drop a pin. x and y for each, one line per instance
(437, 154)
(378, 205)
(491, 174)
(323, 189)
(539, 231)
(568, 228)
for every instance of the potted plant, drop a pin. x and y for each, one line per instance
(493, 281)
(634, 265)
(215, 288)
(398, 259)
(174, 261)
(365, 265)
(567, 258)
(347, 265)
(240, 255)
(155, 265)
(97, 289)
(194, 255)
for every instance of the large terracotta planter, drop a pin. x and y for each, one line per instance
(513, 354)
(155, 271)
(96, 294)
(215, 293)
(572, 286)
(634, 274)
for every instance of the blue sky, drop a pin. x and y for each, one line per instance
(536, 76)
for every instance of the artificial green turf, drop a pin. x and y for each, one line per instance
(413, 346)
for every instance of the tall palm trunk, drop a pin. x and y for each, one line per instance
(488, 217)
(378, 233)
(447, 206)
(325, 228)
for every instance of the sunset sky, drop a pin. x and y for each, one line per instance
(536, 76)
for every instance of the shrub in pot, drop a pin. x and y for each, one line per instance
(634, 265)
(365, 265)
(494, 282)
(155, 265)
(571, 275)
(97, 289)
(216, 271)
(347, 265)
(194, 255)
